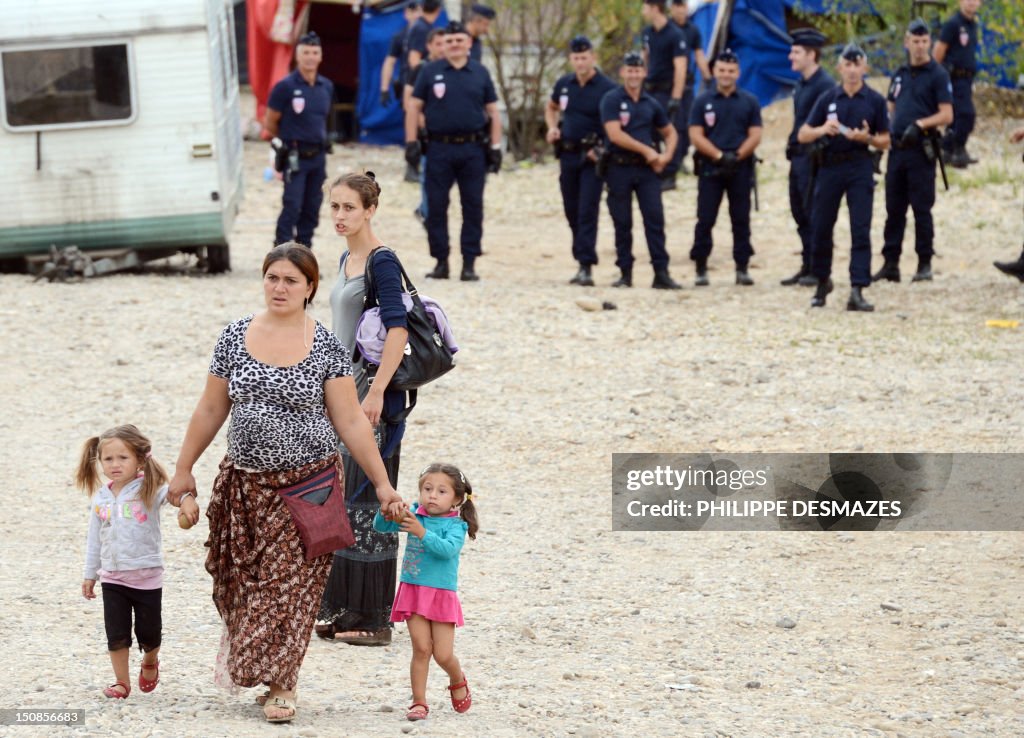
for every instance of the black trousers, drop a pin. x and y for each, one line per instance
(118, 604)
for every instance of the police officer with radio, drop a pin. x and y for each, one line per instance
(725, 128)
(667, 57)
(848, 119)
(957, 48)
(805, 60)
(576, 99)
(460, 110)
(631, 117)
(297, 113)
(920, 100)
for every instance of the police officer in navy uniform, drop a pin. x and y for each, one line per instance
(679, 11)
(805, 60)
(957, 48)
(631, 117)
(725, 128)
(480, 17)
(297, 113)
(667, 55)
(576, 98)
(389, 85)
(460, 108)
(416, 39)
(920, 100)
(1013, 268)
(848, 119)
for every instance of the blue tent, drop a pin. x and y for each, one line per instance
(379, 125)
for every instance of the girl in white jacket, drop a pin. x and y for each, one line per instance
(123, 548)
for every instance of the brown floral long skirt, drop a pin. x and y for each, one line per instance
(266, 592)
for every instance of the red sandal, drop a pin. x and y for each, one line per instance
(114, 694)
(466, 702)
(415, 714)
(148, 685)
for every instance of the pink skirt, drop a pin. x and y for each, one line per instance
(439, 605)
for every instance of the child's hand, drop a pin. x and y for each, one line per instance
(188, 515)
(412, 525)
(395, 511)
(87, 589)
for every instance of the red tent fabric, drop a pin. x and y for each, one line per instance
(269, 61)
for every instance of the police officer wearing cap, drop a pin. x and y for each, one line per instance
(480, 17)
(631, 117)
(297, 113)
(576, 99)
(460, 110)
(725, 128)
(679, 12)
(389, 85)
(957, 48)
(667, 55)
(805, 60)
(920, 100)
(848, 119)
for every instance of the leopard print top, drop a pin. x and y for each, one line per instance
(278, 417)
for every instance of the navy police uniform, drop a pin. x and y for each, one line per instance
(581, 129)
(846, 168)
(628, 173)
(915, 92)
(691, 34)
(663, 48)
(457, 139)
(476, 51)
(805, 95)
(726, 120)
(304, 109)
(961, 37)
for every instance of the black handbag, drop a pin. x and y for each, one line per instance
(427, 357)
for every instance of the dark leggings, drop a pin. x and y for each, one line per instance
(118, 603)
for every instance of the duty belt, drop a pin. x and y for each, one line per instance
(570, 147)
(628, 159)
(831, 160)
(956, 73)
(308, 150)
(658, 86)
(456, 138)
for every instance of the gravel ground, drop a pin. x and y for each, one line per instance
(572, 629)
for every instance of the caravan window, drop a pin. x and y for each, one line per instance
(67, 87)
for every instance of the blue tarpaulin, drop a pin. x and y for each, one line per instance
(379, 125)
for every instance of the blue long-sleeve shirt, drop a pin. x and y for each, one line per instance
(431, 561)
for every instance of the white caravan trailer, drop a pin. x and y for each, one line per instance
(120, 127)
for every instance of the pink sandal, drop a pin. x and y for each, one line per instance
(417, 714)
(114, 694)
(148, 685)
(466, 702)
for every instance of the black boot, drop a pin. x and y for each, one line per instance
(1012, 268)
(820, 294)
(923, 273)
(702, 273)
(795, 279)
(583, 277)
(890, 271)
(440, 270)
(743, 276)
(468, 274)
(857, 303)
(959, 159)
(626, 278)
(662, 281)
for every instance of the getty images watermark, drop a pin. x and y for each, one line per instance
(817, 492)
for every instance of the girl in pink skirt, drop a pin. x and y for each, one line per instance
(427, 598)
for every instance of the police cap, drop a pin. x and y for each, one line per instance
(918, 27)
(633, 59)
(483, 11)
(726, 55)
(853, 52)
(455, 27)
(580, 43)
(310, 39)
(812, 38)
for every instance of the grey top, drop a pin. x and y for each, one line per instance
(346, 309)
